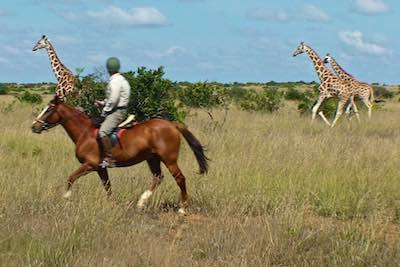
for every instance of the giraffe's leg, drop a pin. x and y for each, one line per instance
(315, 108)
(350, 105)
(339, 111)
(82, 170)
(155, 168)
(355, 109)
(368, 104)
(321, 114)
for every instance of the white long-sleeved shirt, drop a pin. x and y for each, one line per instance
(117, 93)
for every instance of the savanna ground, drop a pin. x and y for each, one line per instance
(280, 192)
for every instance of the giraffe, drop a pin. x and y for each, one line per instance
(363, 90)
(331, 86)
(65, 78)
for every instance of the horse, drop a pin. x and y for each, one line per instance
(154, 141)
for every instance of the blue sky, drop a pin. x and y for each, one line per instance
(198, 40)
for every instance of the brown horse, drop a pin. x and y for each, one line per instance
(154, 141)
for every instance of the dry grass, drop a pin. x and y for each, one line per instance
(281, 191)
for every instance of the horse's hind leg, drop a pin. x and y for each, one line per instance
(155, 168)
(180, 180)
(103, 173)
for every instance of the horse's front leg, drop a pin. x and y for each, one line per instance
(82, 170)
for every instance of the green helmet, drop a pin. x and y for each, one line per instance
(113, 65)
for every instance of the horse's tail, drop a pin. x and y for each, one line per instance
(196, 146)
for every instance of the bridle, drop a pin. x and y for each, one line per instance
(42, 117)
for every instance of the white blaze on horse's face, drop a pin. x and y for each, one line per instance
(40, 115)
(42, 43)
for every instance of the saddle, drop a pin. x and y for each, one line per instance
(130, 122)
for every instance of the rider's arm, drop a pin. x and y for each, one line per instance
(113, 97)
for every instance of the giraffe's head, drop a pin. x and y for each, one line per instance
(300, 49)
(328, 58)
(42, 43)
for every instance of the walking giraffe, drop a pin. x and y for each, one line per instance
(363, 90)
(331, 86)
(65, 78)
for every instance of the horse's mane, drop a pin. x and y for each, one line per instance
(79, 112)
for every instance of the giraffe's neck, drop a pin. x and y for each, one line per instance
(322, 71)
(58, 68)
(340, 71)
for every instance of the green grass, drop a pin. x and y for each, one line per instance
(281, 192)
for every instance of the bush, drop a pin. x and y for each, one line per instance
(382, 92)
(87, 90)
(309, 99)
(203, 95)
(293, 94)
(237, 93)
(31, 98)
(3, 89)
(268, 100)
(151, 95)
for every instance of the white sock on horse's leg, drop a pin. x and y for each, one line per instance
(143, 199)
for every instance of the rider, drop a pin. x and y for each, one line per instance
(114, 108)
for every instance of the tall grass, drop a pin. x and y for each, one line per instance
(281, 191)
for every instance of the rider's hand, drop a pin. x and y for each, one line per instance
(98, 103)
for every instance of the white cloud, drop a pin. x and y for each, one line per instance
(313, 13)
(308, 12)
(140, 16)
(370, 7)
(356, 40)
(66, 40)
(269, 14)
(169, 52)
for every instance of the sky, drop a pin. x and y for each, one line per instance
(202, 40)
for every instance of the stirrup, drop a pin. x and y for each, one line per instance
(106, 164)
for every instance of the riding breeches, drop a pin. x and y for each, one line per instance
(111, 122)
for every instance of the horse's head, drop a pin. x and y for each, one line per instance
(48, 118)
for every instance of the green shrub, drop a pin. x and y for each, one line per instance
(152, 95)
(31, 98)
(382, 92)
(293, 94)
(3, 89)
(237, 93)
(203, 95)
(309, 99)
(88, 89)
(267, 100)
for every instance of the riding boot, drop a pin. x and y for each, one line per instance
(108, 161)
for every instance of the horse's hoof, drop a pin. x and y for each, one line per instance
(182, 211)
(67, 194)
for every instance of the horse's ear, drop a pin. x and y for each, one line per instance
(56, 100)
